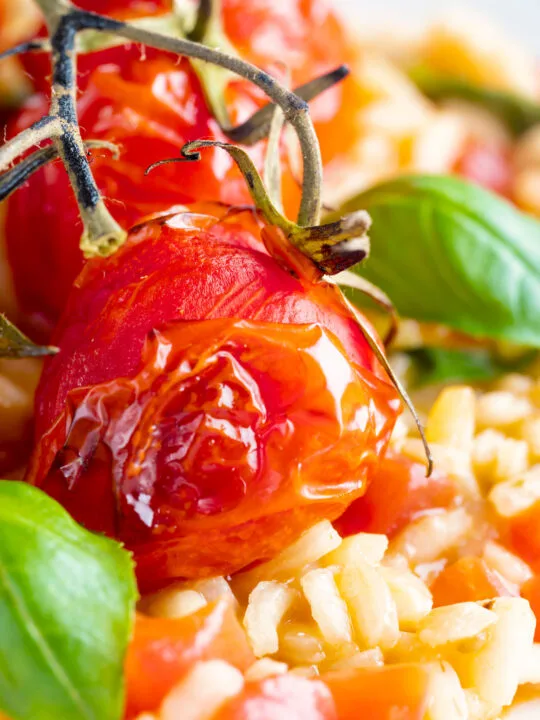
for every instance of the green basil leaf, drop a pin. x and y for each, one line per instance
(13, 344)
(432, 365)
(67, 601)
(449, 252)
(518, 113)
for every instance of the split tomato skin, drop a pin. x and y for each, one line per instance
(204, 391)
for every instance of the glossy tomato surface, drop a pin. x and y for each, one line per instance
(150, 104)
(204, 391)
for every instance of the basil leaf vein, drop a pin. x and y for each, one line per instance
(450, 252)
(66, 609)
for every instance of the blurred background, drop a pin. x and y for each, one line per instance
(520, 18)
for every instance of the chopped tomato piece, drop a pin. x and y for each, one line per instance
(164, 649)
(488, 165)
(385, 693)
(522, 533)
(284, 697)
(531, 592)
(380, 693)
(468, 580)
(399, 492)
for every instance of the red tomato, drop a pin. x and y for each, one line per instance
(150, 109)
(399, 493)
(245, 433)
(487, 165)
(531, 591)
(285, 697)
(163, 650)
(468, 580)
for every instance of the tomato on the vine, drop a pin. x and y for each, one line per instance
(400, 493)
(207, 405)
(150, 104)
(163, 650)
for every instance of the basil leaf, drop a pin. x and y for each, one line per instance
(13, 344)
(67, 601)
(450, 252)
(432, 365)
(518, 113)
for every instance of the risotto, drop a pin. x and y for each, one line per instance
(442, 592)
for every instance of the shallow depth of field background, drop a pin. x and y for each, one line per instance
(521, 18)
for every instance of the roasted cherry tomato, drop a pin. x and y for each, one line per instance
(469, 579)
(162, 650)
(204, 391)
(150, 108)
(399, 493)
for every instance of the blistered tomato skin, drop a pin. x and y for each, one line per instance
(206, 443)
(150, 105)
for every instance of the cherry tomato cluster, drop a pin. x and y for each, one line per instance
(150, 109)
(207, 385)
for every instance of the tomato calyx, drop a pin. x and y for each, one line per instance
(310, 252)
